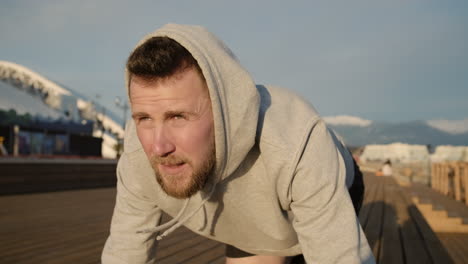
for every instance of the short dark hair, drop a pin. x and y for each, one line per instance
(160, 57)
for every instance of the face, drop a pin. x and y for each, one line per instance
(174, 122)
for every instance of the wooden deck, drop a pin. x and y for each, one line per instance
(397, 232)
(71, 227)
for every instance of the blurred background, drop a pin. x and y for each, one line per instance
(391, 77)
(378, 72)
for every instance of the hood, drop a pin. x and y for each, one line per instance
(235, 102)
(234, 97)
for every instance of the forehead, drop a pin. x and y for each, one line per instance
(185, 83)
(186, 92)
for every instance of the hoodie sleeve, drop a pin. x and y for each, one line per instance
(324, 219)
(132, 213)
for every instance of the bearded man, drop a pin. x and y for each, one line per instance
(251, 166)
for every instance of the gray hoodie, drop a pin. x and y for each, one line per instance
(280, 181)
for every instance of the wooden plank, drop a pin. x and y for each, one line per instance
(465, 178)
(71, 227)
(184, 244)
(418, 230)
(412, 241)
(457, 182)
(373, 228)
(446, 179)
(391, 251)
(369, 197)
(441, 202)
(457, 246)
(438, 186)
(434, 170)
(181, 248)
(45, 228)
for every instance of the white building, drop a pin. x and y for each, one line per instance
(450, 153)
(46, 99)
(396, 152)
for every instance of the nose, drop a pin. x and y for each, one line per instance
(162, 143)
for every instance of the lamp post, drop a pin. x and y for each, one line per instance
(124, 106)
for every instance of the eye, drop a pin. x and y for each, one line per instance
(144, 121)
(144, 118)
(178, 117)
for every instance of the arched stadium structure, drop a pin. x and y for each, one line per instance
(49, 100)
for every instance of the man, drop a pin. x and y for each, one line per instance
(251, 166)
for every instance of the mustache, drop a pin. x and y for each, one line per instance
(168, 161)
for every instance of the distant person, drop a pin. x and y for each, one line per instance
(387, 168)
(251, 166)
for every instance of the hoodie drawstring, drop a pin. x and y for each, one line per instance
(175, 223)
(168, 224)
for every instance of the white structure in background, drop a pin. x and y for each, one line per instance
(63, 101)
(108, 142)
(396, 152)
(450, 153)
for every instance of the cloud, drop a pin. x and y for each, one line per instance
(379, 60)
(347, 120)
(450, 126)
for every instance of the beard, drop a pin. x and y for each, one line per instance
(181, 185)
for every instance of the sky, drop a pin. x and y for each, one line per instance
(395, 60)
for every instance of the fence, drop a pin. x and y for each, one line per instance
(451, 179)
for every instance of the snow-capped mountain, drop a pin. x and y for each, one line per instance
(346, 120)
(358, 132)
